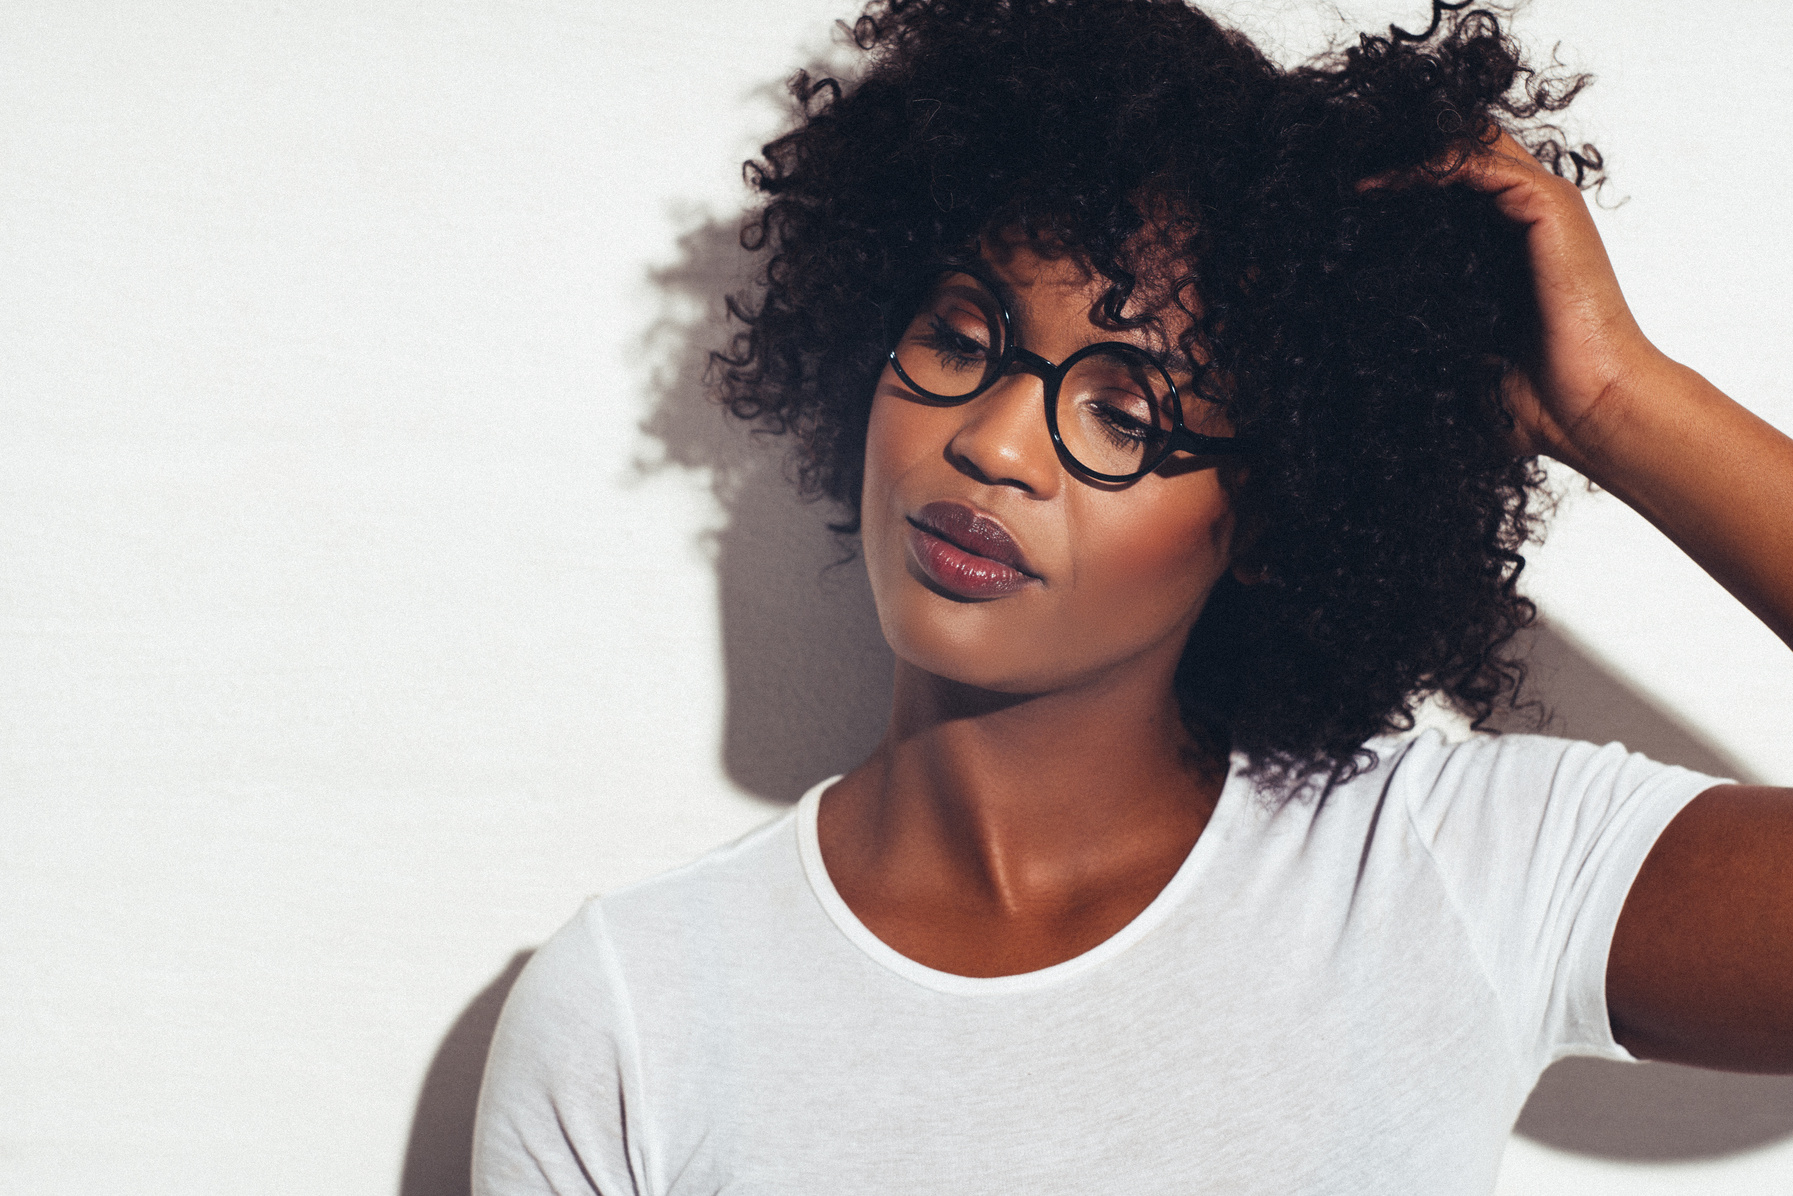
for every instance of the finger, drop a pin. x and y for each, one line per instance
(1485, 166)
(1523, 189)
(1496, 167)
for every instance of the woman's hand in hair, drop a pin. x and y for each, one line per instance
(1600, 397)
(1591, 361)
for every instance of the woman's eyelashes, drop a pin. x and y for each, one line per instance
(954, 348)
(1121, 429)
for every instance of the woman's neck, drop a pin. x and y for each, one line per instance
(994, 833)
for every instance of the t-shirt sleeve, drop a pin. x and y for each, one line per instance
(561, 1078)
(1537, 841)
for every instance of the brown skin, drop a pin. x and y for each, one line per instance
(1036, 789)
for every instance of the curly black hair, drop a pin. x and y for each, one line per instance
(1362, 332)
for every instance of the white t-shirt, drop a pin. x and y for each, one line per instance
(1353, 995)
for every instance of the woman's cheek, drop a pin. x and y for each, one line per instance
(892, 448)
(1159, 554)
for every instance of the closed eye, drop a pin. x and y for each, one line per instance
(953, 347)
(1121, 428)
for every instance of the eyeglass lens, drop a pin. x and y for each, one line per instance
(1113, 405)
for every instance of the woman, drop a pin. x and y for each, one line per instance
(1189, 410)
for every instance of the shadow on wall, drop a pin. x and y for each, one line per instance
(439, 1153)
(807, 672)
(808, 683)
(1656, 1112)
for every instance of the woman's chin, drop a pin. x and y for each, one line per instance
(980, 660)
(984, 666)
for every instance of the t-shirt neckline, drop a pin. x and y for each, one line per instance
(809, 849)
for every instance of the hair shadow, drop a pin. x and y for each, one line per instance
(1651, 1112)
(807, 674)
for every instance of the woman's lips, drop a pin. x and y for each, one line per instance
(966, 552)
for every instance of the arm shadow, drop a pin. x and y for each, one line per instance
(1653, 1112)
(807, 672)
(439, 1152)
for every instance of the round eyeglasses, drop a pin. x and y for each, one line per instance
(1112, 409)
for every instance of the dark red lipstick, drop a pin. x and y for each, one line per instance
(966, 552)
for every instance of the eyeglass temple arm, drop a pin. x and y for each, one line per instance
(1210, 446)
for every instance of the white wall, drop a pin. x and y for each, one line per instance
(376, 582)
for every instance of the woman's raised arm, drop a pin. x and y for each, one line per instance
(1701, 969)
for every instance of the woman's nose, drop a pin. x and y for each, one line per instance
(1003, 441)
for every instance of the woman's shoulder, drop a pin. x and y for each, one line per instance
(1433, 770)
(1483, 798)
(1429, 767)
(1511, 805)
(741, 918)
(724, 883)
(628, 939)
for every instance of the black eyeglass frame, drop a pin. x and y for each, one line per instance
(1179, 438)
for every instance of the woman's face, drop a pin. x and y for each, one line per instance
(994, 565)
